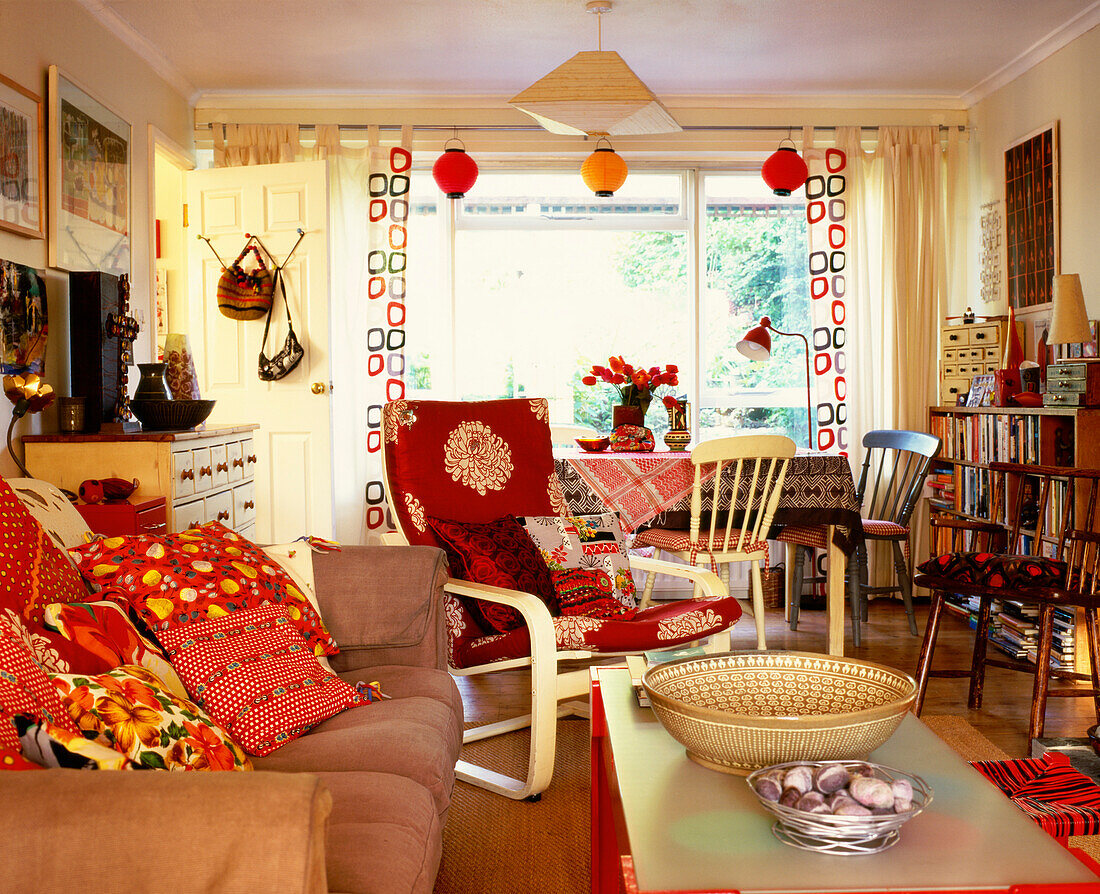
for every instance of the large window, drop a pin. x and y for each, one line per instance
(530, 280)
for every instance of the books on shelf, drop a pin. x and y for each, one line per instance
(988, 437)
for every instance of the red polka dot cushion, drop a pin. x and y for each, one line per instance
(10, 759)
(255, 676)
(24, 688)
(199, 574)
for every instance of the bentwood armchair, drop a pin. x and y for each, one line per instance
(459, 475)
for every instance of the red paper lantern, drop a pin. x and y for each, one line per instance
(785, 170)
(454, 171)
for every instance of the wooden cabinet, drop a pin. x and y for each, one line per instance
(204, 475)
(968, 350)
(126, 517)
(959, 479)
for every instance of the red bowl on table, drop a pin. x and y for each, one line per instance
(593, 445)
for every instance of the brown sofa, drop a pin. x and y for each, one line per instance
(357, 804)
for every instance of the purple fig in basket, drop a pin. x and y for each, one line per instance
(812, 802)
(834, 799)
(872, 792)
(903, 795)
(770, 786)
(801, 778)
(790, 797)
(848, 807)
(830, 778)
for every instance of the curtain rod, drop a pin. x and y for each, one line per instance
(535, 128)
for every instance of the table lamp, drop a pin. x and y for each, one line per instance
(757, 345)
(1069, 321)
(30, 395)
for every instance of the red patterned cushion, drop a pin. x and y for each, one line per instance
(256, 677)
(10, 759)
(805, 535)
(680, 541)
(996, 571)
(202, 573)
(876, 527)
(632, 439)
(25, 688)
(468, 461)
(502, 554)
(588, 592)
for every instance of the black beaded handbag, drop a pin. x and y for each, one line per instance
(290, 356)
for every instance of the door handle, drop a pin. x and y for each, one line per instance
(317, 387)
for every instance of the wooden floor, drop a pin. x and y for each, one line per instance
(886, 639)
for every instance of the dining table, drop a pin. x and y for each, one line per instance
(654, 488)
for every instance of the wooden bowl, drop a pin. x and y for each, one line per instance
(593, 445)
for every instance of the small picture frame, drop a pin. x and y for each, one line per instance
(981, 391)
(22, 173)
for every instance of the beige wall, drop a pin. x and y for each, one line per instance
(38, 33)
(1064, 87)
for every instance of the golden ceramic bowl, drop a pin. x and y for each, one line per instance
(739, 711)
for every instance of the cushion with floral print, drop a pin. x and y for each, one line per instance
(499, 553)
(24, 687)
(255, 675)
(131, 710)
(996, 571)
(56, 748)
(588, 592)
(199, 574)
(112, 634)
(586, 541)
(10, 759)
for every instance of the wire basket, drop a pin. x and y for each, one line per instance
(829, 834)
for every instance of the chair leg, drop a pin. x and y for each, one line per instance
(758, 604)
(856, 564)
(724, 576)
(650, 579)
(864, 580)
(1092, 622)
(981, 644)
(796, 554)
(905, 583)
(1042, 674)
(928, 649)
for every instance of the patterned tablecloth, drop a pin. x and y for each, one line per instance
(643, 487)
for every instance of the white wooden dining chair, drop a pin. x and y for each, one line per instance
(747, 473)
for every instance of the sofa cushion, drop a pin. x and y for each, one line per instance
(383, 835)
(994, 570)
(25, 688)
(256, 675)
(130, 709)
(10, 759)
(202, 573)
(57, 748)
(416, 733)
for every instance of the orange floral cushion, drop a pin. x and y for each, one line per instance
(203, 573)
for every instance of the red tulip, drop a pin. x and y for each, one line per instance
(618, 379)
(616, 364)
(589, 380)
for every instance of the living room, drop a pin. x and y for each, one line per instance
(1013, 83)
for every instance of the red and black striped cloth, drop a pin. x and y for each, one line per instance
(1062, 800)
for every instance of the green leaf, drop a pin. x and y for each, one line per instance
(80, 681)
(153, 761)
(164, 740)
(176, 730)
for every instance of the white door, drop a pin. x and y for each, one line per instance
(293, 443)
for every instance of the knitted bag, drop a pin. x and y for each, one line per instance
(245, 294)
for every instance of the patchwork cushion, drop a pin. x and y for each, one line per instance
(995, 571)
(203, 573)
(475, 461)
(57, 748)
(110, 636)
(256, 676)
(130, 709)
(24, 688)
(499, 553)
(593, 542)
(586, 591)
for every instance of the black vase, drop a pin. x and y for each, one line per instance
(152, 385)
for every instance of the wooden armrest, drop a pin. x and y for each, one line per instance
(964, 524)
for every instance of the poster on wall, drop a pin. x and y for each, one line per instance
(21, 165)
(1032, 217)
(89, 159)
(23, 326)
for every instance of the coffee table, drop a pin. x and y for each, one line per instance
(662, 823)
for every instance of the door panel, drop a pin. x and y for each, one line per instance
(293, 444)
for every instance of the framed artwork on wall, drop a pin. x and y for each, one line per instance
(22, 185)
(89, 181)
(1032, 215)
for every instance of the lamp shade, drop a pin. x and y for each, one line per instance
(757, 343)
(455, 172)
(1069, 322)
(784, 171)
(603, 171)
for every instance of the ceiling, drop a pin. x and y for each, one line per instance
(933, 49)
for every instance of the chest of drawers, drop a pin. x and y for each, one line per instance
(968, 350)
(204, 475)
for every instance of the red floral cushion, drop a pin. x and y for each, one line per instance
(256, 677)
(10, 759)
(468, 461)
(996, 571)
(202, 573)
(502, 554)
(24, 688)
(588, 592)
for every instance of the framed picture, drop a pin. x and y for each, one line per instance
(23, 324)
(981, 391)
(1032, 215)
(22, 185)
(89, 181)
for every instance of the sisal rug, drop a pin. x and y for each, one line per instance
(493, 845)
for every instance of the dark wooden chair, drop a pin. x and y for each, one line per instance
(895, 464)
(1040, 549)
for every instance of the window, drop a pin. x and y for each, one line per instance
(530, 280)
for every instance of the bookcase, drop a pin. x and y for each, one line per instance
(959, 480)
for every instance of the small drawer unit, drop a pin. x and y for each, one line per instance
(968, 350)
(125, 517)
(1073, 384)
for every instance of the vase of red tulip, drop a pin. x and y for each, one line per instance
(635, 385)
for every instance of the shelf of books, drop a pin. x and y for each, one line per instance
(972, 437)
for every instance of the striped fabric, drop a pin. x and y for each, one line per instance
(680, 541)
(875, 527)
(1062, 800)
(805, 535)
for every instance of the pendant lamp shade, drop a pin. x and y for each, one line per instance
(603, 171)
(784, 171)
(454, 171)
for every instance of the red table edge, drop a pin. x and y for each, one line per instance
(612, 864)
